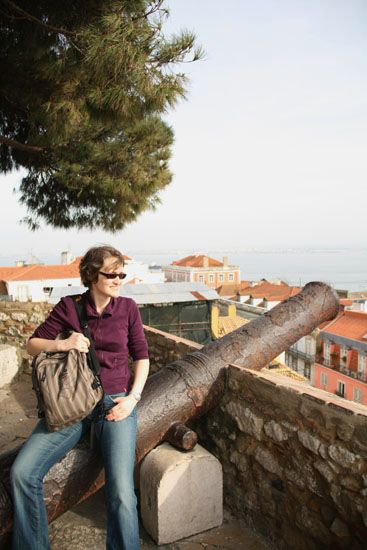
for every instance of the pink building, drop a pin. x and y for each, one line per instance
(341, 368)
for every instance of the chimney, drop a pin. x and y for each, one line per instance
(205, 261)
(225, 261)
(66, 257)
(20, 263)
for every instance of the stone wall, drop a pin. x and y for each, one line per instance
(294, 457)
(165, 348)
(294, 460)
(18, 320)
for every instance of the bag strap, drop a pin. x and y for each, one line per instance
(36, 388)
(81, 309)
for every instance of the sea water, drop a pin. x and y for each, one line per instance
(344, 268)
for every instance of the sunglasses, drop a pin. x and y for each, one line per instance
(113, 275)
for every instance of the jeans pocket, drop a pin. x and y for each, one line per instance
(108, 402)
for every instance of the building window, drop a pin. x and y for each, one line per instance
(341, 389)
(323, 379)
(357, 395)
(211, 278)
(221, 278)
(307, 371)
(308, 345)
(327, 353)
(201, 278)
(343, 351)
(361, 366)
(231, 277)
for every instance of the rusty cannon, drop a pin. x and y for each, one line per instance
(178, 393)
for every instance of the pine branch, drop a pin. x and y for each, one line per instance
(156, 7)
(34, 19)
(22, 146)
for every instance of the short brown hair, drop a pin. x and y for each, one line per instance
(93, 260)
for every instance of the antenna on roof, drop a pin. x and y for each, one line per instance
(33, 259)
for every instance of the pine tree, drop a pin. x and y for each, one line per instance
(85, 84)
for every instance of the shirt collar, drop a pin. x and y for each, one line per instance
(91, 308)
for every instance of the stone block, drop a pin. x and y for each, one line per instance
(339, 528)
(181, 493)
(9, 364)
(267, 461)
(325, 470)
(275, 431)
(342, 456)
(246, 420)
(19, 316)
(309, 441)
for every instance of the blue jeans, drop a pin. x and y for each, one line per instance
(43, 449)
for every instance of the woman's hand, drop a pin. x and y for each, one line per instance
(122, 409)
(75, 341)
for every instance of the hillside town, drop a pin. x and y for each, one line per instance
(183, 282)
(201, 299)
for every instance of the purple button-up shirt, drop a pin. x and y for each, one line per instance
(116, 333)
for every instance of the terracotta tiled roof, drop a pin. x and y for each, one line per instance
(282, 295)
(346, 302)
(351, 324)
(270, 291)
(258, 288)
(323, 325)
(197, 295)
(41, 272)
(229, 289)
(197, 261)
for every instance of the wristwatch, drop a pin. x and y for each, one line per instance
(136, 395)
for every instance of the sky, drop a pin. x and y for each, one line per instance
(270, 144)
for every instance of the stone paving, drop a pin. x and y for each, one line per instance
(83, 528)
(18, 413)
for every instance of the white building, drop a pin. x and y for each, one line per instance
(137, 273)
(35, 282)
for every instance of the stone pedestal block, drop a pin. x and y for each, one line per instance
(181, 493)
(9, 364)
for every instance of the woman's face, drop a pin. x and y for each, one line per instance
(104, 286)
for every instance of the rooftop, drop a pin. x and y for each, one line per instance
(151, 293)
(40, 272)
(230, 289)
(349, 324)
(198, 260)
(270, 291)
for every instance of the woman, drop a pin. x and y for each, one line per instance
(116, 330)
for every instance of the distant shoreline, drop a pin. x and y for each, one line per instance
(344, 268)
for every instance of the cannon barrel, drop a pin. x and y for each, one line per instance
(180, 392)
